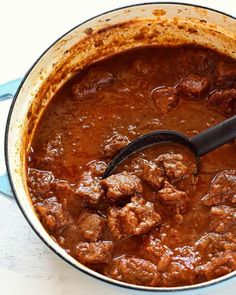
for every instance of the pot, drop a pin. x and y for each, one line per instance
(109, 33)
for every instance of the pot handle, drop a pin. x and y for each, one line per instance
(5, 188)
(7, 92)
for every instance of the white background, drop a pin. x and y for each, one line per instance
(27, 28)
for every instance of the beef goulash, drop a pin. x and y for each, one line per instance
(153, 222)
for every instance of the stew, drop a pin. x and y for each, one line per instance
(154, 222)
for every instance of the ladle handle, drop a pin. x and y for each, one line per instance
(215, 136)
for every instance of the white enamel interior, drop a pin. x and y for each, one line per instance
(46, 64)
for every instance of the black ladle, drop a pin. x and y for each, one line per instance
(200, 144)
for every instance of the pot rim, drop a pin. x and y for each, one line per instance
(14, 189)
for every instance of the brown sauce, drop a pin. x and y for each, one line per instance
(154, 222)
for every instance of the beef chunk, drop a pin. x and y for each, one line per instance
(226, 73)
(173, 165)
(134, 270)
(94, 80)
(170, 196)
(115, 144)
(194, 85)
(211, 244)
(223, 218)
(135, 218)
(181, 270)
(65, 193)
(52, 214)
(223, 101)
(94, 252)
(152, 174)
(122, 185)
(222, 189)
(89, 188)
(63, 189)
(166, 99)
(40, 182)
(218, 266)
(197, 61)
(91, 226)
(154, 250)
(97, 168)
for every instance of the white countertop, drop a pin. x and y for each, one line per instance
(27, 266)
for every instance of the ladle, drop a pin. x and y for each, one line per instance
(200, 144)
